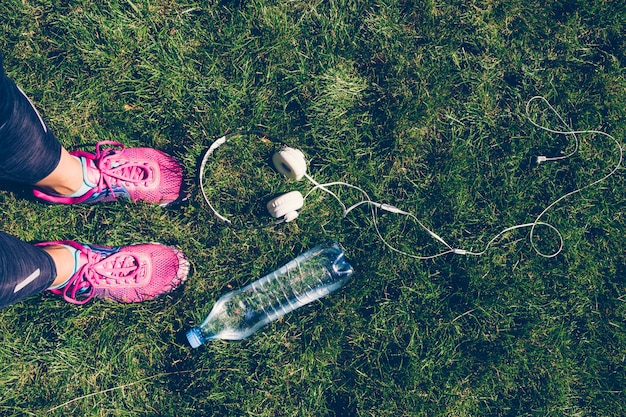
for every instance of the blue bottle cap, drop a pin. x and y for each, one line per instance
(194, 338)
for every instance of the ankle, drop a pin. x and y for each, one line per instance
(67, 261)
(67, 177)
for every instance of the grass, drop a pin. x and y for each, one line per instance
(422, 105)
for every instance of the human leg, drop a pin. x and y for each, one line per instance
(80, 272)
(32, 155)
(127, 274)
(114, 171)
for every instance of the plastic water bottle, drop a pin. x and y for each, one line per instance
(240, 313)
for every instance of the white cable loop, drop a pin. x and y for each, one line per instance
(533, 226)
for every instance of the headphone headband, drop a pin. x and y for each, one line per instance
(209, 152)
(289, 162)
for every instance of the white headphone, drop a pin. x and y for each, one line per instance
(291, 163)
(288, 161)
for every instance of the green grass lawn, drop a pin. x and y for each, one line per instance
(422, 104)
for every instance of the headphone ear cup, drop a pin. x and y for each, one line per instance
(286, 206)
(290, 162)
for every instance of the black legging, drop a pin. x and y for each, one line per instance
(24, 270)
(29, 152)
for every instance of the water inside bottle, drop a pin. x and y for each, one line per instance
(242, 312)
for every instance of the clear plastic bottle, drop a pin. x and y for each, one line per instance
(240, 313)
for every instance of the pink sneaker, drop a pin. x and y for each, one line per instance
(128, 274)
(144, 174)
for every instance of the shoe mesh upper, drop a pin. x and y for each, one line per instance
(146, 174)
